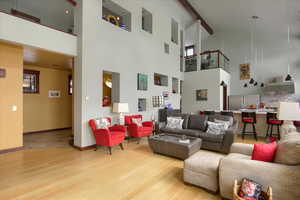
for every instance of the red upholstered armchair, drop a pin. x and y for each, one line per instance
(136, 131)
(110, 137)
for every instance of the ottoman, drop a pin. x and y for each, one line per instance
(201, 169)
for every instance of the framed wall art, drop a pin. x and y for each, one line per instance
(201, 95)
(244, 71)
(142, 80)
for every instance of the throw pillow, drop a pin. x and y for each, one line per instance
(226, 123)
(174, 123)
(264, 152)
(250, 190)
(102, 123)
(288, 150)
(137, 121)
(224, 118)
(215, 128)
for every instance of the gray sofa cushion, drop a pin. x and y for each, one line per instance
(224, 118)
(188, 132)
(211, 137)
(197, 122)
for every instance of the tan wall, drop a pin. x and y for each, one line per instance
(44, 113)
(11, 122)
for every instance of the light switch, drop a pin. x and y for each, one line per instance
(14, 108)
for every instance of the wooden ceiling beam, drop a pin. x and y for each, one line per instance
(196, 15)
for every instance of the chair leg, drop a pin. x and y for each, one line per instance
(109, 149)
(271, 135)
(96, 148)
(244, 130)
(254, 131)
(278, 131)
(121, 145)
(138, 140)
(267, 135)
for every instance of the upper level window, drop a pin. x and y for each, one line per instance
(116, 15)
(174, 31)
(31, 80)
(190, 50)
(146, 21)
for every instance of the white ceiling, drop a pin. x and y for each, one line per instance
(234, 16)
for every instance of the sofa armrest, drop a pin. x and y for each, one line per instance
(229, 137)
(241, 148)
(148, 124)
(284, 179)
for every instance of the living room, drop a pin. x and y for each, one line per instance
(188, 99)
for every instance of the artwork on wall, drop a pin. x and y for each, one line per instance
(142, 80)
(2, 73)
(142, 105)
(157, 101)
(244, 71)
(201, 95)
(54, 94)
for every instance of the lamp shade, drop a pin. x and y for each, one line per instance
(289, 111)
(120, 108)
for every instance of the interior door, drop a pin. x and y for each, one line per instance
(225, 98)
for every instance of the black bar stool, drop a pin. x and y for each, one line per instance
(249, 118)
(227, 113)
(297, 123)
(273, 121)
(211, 112)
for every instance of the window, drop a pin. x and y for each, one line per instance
(190, 50)
(116, 15)
(167, 48)
(175, 83)
(111, 88)
(31, 81)
(160, 79)
(70, 85)
(146, 21)
(174, 31)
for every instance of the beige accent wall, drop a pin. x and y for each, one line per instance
(11, 122)
(44, 113)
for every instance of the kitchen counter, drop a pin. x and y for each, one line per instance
(258, 111)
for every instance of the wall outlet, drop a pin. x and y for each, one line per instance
(14, 108)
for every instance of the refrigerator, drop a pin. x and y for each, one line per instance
(237, 102)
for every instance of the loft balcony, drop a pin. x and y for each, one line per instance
(41, 24)
(208, 60)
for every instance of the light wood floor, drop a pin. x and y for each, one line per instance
(68, 174)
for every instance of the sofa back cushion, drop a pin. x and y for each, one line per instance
(288, 150)
(219, 117)
(198, 122)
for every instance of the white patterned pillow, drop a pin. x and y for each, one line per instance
(102, 123)
(215, 128)
(226, 123)
(137, 121)
(174, 123)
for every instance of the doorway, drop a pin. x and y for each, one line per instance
(225, 97)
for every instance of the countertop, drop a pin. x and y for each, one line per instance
(258, 111)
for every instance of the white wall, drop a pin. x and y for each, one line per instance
(103, 46)
(19, 31)
(272, 58)
(205, 79)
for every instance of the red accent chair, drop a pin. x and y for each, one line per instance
(136, 131)
(110, 137)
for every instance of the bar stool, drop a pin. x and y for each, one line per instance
(227, 113)
(297, 123)
(249, 118)
(273, 121)
(211, 112)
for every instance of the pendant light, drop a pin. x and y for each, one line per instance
(252, 81)
(222, 83)
(288, 77)
(245, 85)
(262, 85)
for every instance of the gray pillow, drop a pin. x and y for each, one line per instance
(224, 118)
(198, 122)
(288, 150)
(185, 118)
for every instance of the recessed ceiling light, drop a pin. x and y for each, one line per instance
(255, 17)
(67, 11)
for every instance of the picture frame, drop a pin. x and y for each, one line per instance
(202, 95)
(142, 82)
(245, 71)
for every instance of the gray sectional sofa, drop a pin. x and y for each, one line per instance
(196, 126)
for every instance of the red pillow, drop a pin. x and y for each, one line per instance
(264, 152)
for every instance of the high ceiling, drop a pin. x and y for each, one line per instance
(235, 16)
